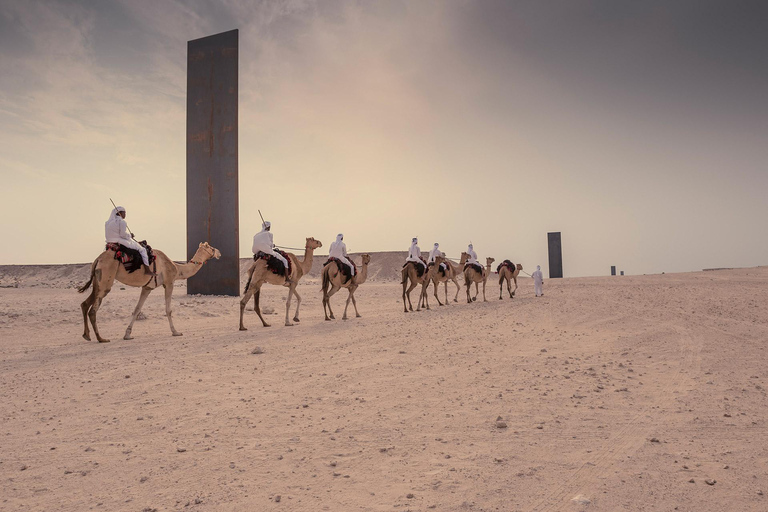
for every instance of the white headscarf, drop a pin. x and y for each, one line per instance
(115, 211)
(339, 237)
(538, 267)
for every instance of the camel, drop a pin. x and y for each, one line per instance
(106, 269)
(410, 273)
(472, 276)
(452, 272)
(333, 278)
(505, 274)
(258, 274)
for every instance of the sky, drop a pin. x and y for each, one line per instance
(637, 129)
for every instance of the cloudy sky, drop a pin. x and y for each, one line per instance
(637, 129)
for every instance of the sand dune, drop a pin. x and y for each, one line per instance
(606, 394)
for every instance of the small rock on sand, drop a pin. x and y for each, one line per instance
(710, 481)
(278, 498)
(580, 499)
(257, 350)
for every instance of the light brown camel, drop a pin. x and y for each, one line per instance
(452, 272)
(333, 278)
(106, 269)
(258, 274)
(505, 274)
(472, 276)
(411, 274)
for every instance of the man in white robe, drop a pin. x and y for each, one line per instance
(414, 254)
(263, 242)
(338, 250)
(434, 253)
(538, 281)
(116, 232)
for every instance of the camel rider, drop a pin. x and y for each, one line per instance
(538, 281)
(116, 232)
(414, 255)
(472, 258)
(338, 250)
(434, 253)
(263, 242)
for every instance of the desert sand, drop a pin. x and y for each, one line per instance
(608, 393)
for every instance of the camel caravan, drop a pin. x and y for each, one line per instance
(135, 264)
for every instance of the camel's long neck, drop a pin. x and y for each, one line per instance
(187, 270)
(306, 264)
(362, 275)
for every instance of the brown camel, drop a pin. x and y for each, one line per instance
(452, 272)
(335, 280)
(411, 274)
(258, 274)
(106, 269)
(506, 274)
(472, 276)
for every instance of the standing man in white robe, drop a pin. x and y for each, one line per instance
(263, 242)
(538, 281)
(116, 232)
(338, 250)
(414, 255)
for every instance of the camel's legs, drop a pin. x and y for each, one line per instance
(168, 295)
(349, 298)
(288, 305)
(331, 292)
(86, 306)
(469, 284)
(92, 316)
(477, 291)
(256, 307)
(98, 298)
(513, 291)
(298, 303)
(405, 285)
(424, 294)
(458, 289)
(144, 294)
(484, 300)
(408, 293)
(437, 285)
(244, 302)
(354, 304)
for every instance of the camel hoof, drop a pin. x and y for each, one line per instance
(178, 334)
(267, 325)
(288, 324)
(86, 337)
(103, 341)
(333, 317)
(455, 300)
(343, 318)
(474, 299)
(327, 319)
(296, 319)
(243, 328)
(127, 338)
(358, 316)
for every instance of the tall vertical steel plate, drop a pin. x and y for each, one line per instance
(212, 167)
(555, 255)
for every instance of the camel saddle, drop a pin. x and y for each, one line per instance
(343, 268)
(441, 269)
(131, 258)
(419, 268)
(478, 268)
(274, 264)
(506, 263)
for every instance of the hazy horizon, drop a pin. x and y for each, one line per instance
(638, 130)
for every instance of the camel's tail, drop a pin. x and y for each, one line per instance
(88, 284)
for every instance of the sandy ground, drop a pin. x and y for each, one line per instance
(617, 394)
